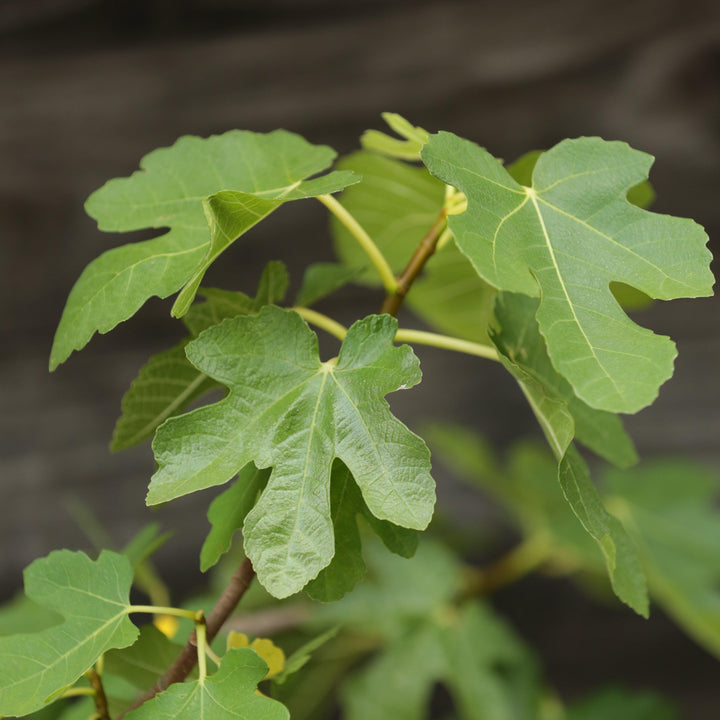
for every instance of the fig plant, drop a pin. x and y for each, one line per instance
(528, 264)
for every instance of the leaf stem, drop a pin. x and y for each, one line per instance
(447, 342)
(322, 321)
(101, 703)
(76, 692)
(185, 662)
(366, 243)
(427, 246)
(202, 647)
(156, 610)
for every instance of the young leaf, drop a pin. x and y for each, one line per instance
(169, 191)
(670, 509)
(566, 239)
(322, 279)
(92, 596)
(228, 510)
(522, 350)
(229, 694)
(289, 410)
(347, 567)
(168, 383)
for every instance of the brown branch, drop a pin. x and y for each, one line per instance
(187, 659)
(101, 704)
(422, 254)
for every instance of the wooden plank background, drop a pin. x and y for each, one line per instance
(88, 87)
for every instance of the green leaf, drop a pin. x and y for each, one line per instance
(289, 410)
(168, 191)
(227, 695)
(521, 170)
(92, 596)
(347, 567)
(566, 239)
(621, 556)
(670, 508)
(406, 149)
(397, 204)
(227, 513)
(168, 383)
(528, 488)
(322, 279)
(144, 662)
(397, 591)
(165, 385)
(397, 685)
(221, 304)
(147, 541)
(561, 413)
(22, 615)
(622, 705)
(561, 416)
(488, 673)
(451, 297)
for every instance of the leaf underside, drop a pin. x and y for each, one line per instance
(566, 239)
(169, 191)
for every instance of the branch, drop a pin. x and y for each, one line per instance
(101, 704)
(186, 661)
(427, 246)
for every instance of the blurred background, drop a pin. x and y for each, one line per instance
(87, 87)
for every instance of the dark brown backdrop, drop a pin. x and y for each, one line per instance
(88, 87)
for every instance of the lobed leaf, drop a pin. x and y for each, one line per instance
(347, 566)
(228, 510)
(92, 597)
(169, 191)
(620, 552)
(566, 238)
(229, 694)
(288, 410)
(322, 279)
(429, 639)
(168, 382)
(144, 662)
(563, 415)
(670, 509)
